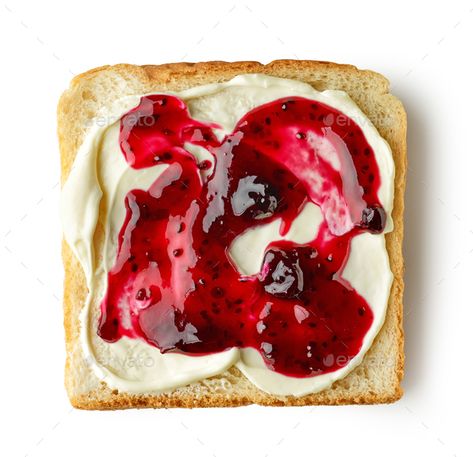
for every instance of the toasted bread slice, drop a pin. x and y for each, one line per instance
(377, 379)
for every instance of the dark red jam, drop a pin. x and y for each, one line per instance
(174, 284)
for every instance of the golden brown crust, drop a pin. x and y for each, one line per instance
(369, 90)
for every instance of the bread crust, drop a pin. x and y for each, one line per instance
(370, 91)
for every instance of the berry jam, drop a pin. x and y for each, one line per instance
(174, 284)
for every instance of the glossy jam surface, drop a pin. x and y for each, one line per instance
(174, 284)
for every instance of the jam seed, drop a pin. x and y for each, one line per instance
(141, 294)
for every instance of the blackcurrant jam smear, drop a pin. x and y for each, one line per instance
(174, 283)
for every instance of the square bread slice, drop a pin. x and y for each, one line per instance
(377, 379)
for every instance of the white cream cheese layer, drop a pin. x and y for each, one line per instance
(101, 178)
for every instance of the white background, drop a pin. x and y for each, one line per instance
(425, 49)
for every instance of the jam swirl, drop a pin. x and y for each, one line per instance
(174, 283)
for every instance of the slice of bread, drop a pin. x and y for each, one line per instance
(377, 379)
